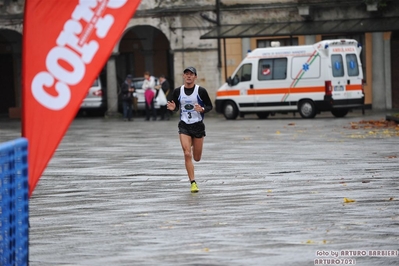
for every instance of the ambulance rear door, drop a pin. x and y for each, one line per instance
(338, 80)
(346, 73)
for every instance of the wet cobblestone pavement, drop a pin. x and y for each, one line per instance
(271, 193)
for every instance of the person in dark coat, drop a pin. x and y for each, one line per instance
(127, 98)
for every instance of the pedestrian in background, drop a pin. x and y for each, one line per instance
(127, 98)
(164, 85)
(193, 102)
(149, 93)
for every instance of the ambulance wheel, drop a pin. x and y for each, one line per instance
(230, 110)
(262, 115)
(339, 112)
(307, 109)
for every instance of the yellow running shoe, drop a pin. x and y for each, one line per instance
(194, 188)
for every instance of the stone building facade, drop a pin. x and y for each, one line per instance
(165, 36)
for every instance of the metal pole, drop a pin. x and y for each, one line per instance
(225, 59)
(218, 25)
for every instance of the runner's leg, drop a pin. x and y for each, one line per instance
(197, 148)
(186, 142)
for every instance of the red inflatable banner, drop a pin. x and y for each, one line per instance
(65, 45)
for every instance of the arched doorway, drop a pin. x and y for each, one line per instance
(144, 48)
(395, 69)
(10, 69)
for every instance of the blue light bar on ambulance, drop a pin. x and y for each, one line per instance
(339, 43)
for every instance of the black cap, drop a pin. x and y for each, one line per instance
(129, 76)
(191, 69)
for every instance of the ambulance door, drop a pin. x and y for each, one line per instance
(242, 82)
(354, 81)
(338, 80)
(271, 85)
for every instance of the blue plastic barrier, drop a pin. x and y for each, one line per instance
(14, 208)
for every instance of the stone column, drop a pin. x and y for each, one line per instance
(310, 39)
(388, 73)
(379, 101)
(246, 46)
(112, 88)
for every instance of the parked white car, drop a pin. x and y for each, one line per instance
(95, 98)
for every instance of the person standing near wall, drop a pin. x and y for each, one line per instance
(193, 102)
(149, 93)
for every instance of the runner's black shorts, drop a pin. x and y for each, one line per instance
(196, 130)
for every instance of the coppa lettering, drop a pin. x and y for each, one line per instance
(74, 47)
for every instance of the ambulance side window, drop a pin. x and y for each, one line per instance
(337, 65)
(271, 69)
(280, 68)
(243, 74)
(352, 65)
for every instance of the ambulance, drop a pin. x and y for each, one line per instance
(309, 79)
